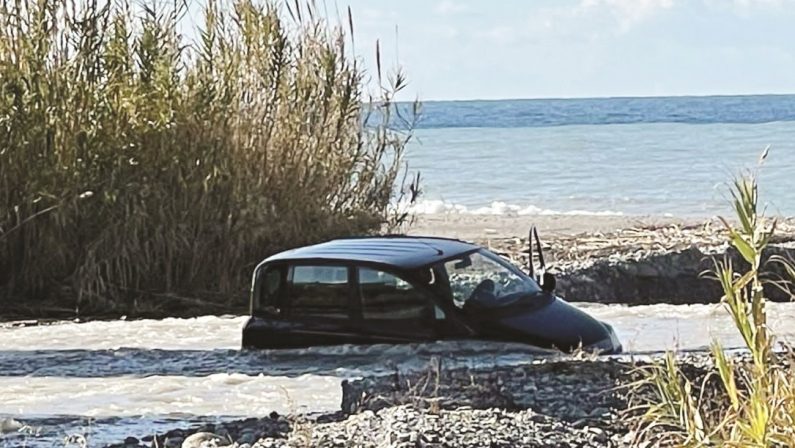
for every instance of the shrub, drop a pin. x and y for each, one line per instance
(136, 162)
(747, 400)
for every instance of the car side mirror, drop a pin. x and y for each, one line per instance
(548, 282)
(463, 263)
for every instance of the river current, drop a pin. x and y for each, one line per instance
(112, 379)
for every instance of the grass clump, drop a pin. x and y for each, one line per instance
(136, 162)
(746, 401)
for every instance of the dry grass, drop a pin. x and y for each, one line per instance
(134, 162)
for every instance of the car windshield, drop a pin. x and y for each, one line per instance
(486, 279)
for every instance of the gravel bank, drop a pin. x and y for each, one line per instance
(645, 264)
(548, 403)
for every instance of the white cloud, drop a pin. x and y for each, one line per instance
(628, 13)
(588, 21)
(369, 15)
(746, 8)
(752, 3)
(501, 34)
(448, 7)
(446, 31)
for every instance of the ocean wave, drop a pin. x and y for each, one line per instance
(435, 207)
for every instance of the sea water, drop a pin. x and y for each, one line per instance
(632, 156)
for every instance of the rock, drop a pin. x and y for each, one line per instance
(576, 413)
(8, 425)
(247, 437)
(131, 441)
(222, 433)
(209, 427)
(599, 434)
(598, 412)
(173, 442)
(203, 440)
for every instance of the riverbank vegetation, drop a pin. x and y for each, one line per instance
(139, 164)
(746, 402)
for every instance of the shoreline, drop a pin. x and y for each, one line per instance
(482, 227)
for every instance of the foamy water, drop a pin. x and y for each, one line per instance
(497, 208)
(219, 394)
(685, 327)
(201, 333)
(122, 378)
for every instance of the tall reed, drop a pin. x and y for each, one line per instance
(741, 403)
(138, 161)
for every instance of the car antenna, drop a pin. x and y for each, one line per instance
(530, 251)
(540, 252)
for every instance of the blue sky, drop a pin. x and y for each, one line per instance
(471, 49)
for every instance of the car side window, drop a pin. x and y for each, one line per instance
(270, 286)
(388, 297)
(319, 291)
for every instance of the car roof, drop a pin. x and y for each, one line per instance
(404, 252)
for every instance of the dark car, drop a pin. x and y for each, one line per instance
(399, 289)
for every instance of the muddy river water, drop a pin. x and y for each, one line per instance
(108, 380)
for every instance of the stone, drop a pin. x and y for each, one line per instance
(598, 412)
(176, 433)
(247, 437)
(202, 440)
(8, 425)
(209, 427)
(599, 434)
(173, 442)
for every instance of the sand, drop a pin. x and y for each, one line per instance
(479, 227)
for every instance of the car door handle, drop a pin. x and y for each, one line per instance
(272, 310)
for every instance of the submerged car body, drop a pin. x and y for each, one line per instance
(399, 289)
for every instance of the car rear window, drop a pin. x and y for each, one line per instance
(320, 291)
(388, 297)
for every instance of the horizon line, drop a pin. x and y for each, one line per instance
(609, 97)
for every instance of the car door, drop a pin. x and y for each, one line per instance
(394, 310)
(318, 307)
